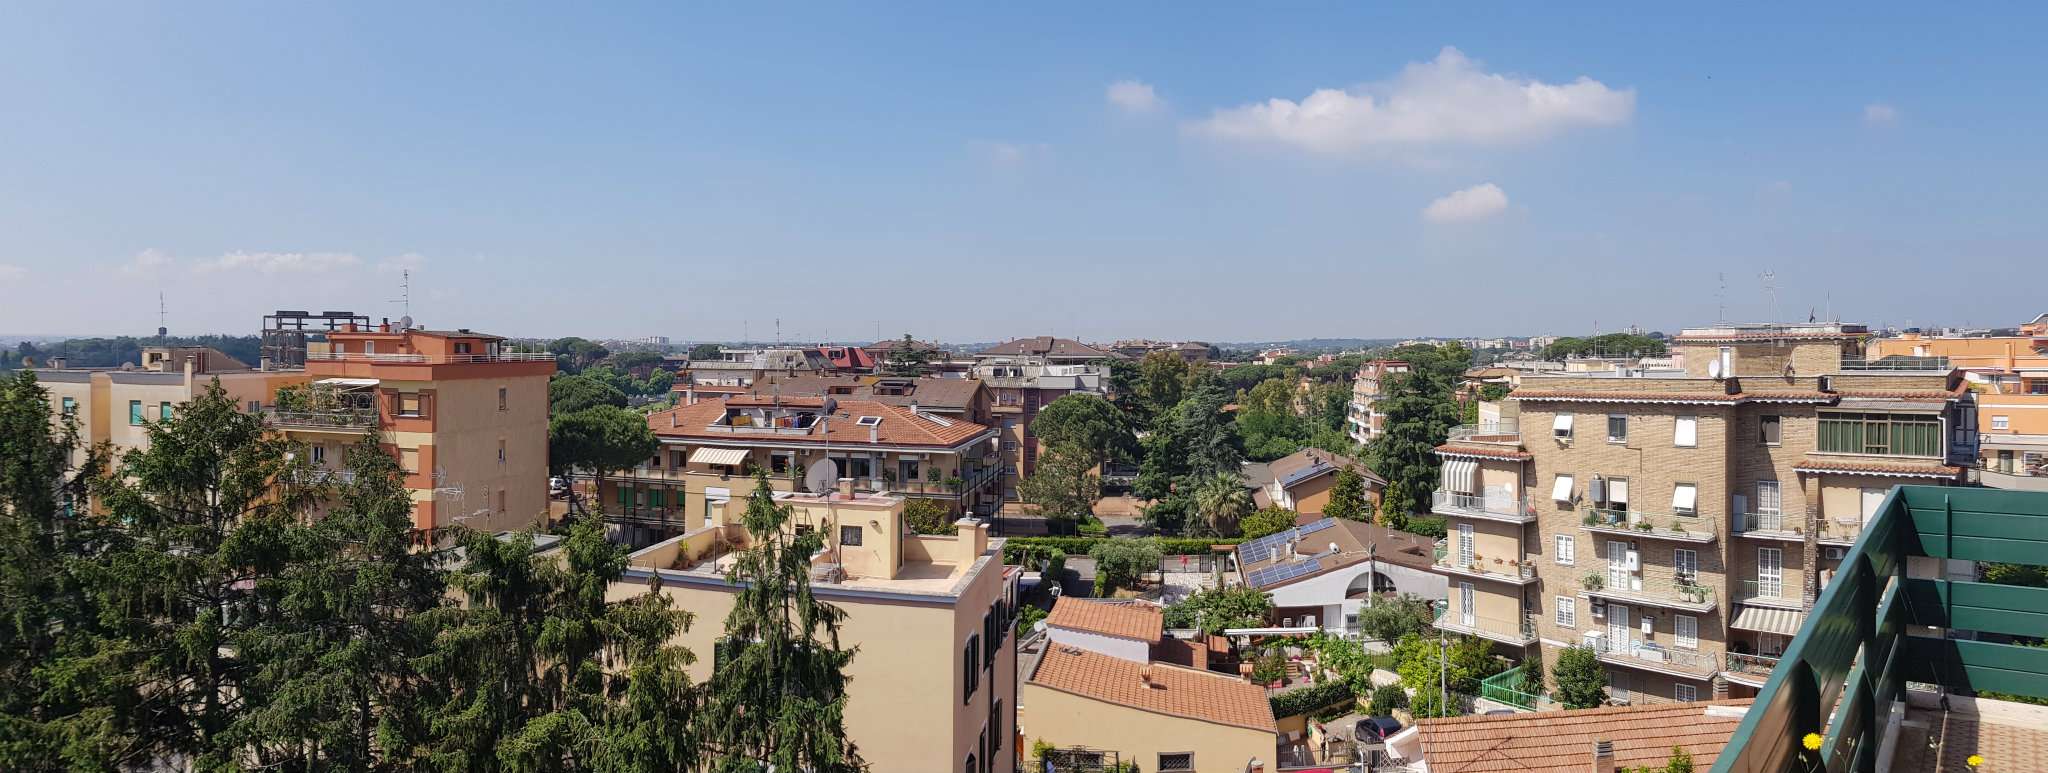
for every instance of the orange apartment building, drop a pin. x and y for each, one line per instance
(466, 419)
(2010, 376)
(1681, 521)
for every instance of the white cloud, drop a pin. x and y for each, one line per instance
(1880, 114)
(146, 263)
(1012, 153)
(1475, 203)
(1133, 96)
(278, 262)
(1449, 100)
(10, 272)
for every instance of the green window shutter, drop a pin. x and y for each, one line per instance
(135, 412)
(625, 497)
(164, 411)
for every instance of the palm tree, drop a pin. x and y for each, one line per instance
(1222, 500)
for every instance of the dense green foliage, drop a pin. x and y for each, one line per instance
(2016, 574)
(908, 358)
(573, 354)
(569, 393)
(1270, 520)
(1309, 700)
(1216, 609)
(1064, 489)
(1349, 659)
(1192, 443)
(1014, 548)
(1386, 698)
(1417, 659)
(706, 352)
(599, 441)
(1394, 619)
(929, 516)
(1577, 680)
(1608, 345)
(1121, 561)
(123, 350)
(1347, 497)
(1221, 502)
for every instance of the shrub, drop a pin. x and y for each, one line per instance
(1120, 562)
(1427, 526)
(1220, 608)
(1386, 698)
(1580, 681)
(1309, 700)
(1079, 546)
(929, 516)
(1271, 520)
(1391, 619)
(1028, 616)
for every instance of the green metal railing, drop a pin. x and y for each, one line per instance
(1505, 687)
(1852, 658)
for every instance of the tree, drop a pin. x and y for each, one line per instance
(1396, 503)
(1120, 561)
(1084, 425)
(1270, 396)
(1420, 414)
(908, 358)
(1216, 609)
(1386, 698)
(703, 352)
(1609, 345)
(600, 440)
(573, 354)
(1163, 380)
(1269, 436)
(1419, 659)
(1122, 380)
(1492, 392)
(1270, 520)
(778, 700)
(572, 393)
(1393, 619)
(928, 516)
(1347, 497)
(1063, 488)
(1329, 404)
(1578, 680)
(2016, 574)
(1680, 761)
(1222, 500)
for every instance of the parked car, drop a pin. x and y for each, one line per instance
(1376, 729)
(558, 488)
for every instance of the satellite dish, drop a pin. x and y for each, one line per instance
(405, 322)
(822, 477)
(1713, 369)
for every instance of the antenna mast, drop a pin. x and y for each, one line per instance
(1721, 298)
(162, 315)
(405, 293)
(1770, 282)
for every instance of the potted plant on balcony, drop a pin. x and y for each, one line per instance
(1589, 519)
(955, 483)
(1593, 581)
(1644, 526)
(933, 476)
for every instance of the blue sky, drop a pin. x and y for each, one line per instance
(967, 173)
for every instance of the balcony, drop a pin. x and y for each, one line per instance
(1636, 523)
(1520, 633)
(1752, 670)
(1775, 594)
(1484, 568)
(1896, 364)
(1501, 508)
(1656, 586)
(1842, 677)
(352, 420)
(1772, 526)
(1840, 530)
(1648, 656)
(941, 489)
(1507, 432)
(1505, 687)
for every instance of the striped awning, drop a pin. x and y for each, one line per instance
(725, 456)
(1784, 622)
(1459, 475)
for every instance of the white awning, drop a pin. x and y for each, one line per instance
(1459, 475)
(725, 456)
(717, 493)
(1562, 492)
(1562, 424)
(1687, 432)
(1684, 497)
(347, 382)
(1617, 492)
(1784, 622)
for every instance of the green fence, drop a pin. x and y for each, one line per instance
(1505, 687)
(1852, 658)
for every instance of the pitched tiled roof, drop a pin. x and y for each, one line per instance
(1930, 469)
(1710, 398)
(1563, 741)
(898, 427)
(1170, 690)
(1305, 464)
(1916, 395)
(954, 393)
(1453, 449)
(1133, 620)
(1046, 346)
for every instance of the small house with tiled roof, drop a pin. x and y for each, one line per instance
(1612, 738)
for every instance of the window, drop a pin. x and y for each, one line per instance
(1770, 572)
(1684, 693)
(1174, 762)
(1685, 565)
(163, 411)
(991, 633)
(1464, 544)
(1685, 499)
(995, 727)
(501, 501)
(1768, 502)
(970, 668)
(1562, 490)
(849, 535)
(970, 767)
(461, 347)
(1686, 632)
(2001, 422)
(409, 460)
(1727, 362)
(134, 413)
(502, 398)
(1611, 493)
(869, 421)
(1565, 551)
(1880, 433)
(1685, 432)
(409, 404)
(1561, 428)
(501, 450)
(1770, 429)
(1617, 428)
(1567, 612)
(319, 454)
(657, 498)
(255, 406)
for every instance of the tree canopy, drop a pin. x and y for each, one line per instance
(1348, 497)
(1216, 609)
(1577, 680)
(908, 358)
(1608, 345)
(1086, 426)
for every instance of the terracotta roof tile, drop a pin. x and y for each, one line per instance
(1563, 740)
(1170, 690)
(898, 426)
(1926, 395)
(1453, 449)
(1819, 463)
(1621, 397)
(1045, 346)
(1140, 621)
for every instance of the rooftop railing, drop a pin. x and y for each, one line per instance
(1898, 363)
(354, 418)
(441, 359)
(1503, 431)
(1845, 672)
(1499, 507)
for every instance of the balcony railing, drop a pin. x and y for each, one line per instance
(1505, 687)
(1779, 526)
(1505, 431)
(1499, 508)
(1481, 566)
(1896, 363)
(1684, 528)
(356, 418)
(1646, 655)
(1840, 530)
(940, 488)
(1772, 593)
(439, 359)
(1756, 667)
(1656, 586)
(1847, 669)
(1519, 631)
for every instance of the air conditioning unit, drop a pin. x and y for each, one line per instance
(1634, 561)
(1837, 553)
(1594, 638)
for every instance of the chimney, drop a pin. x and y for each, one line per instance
(1145, 676)
(59, 362)
(1603, 757)
(874, 434)
(671, 419)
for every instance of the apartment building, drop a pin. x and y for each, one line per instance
(1681, 521)
(959, 398)
(934, 684)
(743, 367)
(1364, 422)
(466, 418)
(1024, 376)
(710, 449)
(2010, 376)
(116, 405)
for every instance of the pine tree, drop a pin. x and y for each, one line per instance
(1347, 497)
(778, 698)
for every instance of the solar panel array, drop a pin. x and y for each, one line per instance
(1263, 548)
(1283, 572)
(1317, 526)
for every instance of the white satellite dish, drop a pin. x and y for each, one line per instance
(822, 477)
(1713, 369)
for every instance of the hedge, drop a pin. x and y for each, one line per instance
(1014, 547)
(1309, 700)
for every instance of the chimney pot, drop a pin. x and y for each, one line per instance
(1603, 757)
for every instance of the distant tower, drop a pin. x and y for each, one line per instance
(405, 296)
(162, 316)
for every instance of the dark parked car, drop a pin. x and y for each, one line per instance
(1376, 729)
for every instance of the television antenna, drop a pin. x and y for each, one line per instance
(1721, 298)
(405, 293)
(1770, 283)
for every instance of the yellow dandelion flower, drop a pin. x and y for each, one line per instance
(1812, 742)
(1974, 760)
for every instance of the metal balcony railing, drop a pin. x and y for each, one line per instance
(1657, 585)
(1771, 525)
(1503, 431)
(1838, 683)
(1480, 565)
(1895, 363)
(1750, 665)
(1689, 528)
(1500, 508)
(1521, 630)
(1505, 687)
(1766, 592)
(1643, 654)
(348, 418)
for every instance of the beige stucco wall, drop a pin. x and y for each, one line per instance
(1064, 719)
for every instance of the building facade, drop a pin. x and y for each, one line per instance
(116, 405)
(1363, 421)
(1024, 376)
(1681, 521)
(2010, 376)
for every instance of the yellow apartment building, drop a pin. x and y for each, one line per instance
(2010, 376)
(1682, 520)
(116, 405)
(934, 684)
